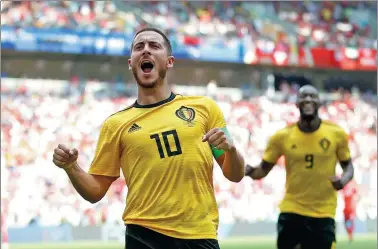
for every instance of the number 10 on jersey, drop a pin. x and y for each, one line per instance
(168, 149)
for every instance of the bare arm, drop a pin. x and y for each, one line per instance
(224, 151)
(348, 172)
(259, 172)
(232, 163)
(343, 154)
(91, 187)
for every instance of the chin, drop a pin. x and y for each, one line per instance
(147, 84)
(308, 116)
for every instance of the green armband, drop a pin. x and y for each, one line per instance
(217, 153)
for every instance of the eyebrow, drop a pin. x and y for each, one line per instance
(312, 94)
(147, 41)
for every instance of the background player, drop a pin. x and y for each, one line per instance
(311, 148)
(161, 143)
(351, 197)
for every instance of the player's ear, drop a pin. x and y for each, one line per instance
(129, 61)
(170, 61)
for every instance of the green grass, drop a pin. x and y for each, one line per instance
(361, 242)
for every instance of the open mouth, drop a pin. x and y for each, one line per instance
(309, 104)
(147, 66)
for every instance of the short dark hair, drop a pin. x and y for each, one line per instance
(166, 40)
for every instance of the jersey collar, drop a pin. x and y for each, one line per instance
(169, 99)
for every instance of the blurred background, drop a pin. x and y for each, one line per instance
(64, 70)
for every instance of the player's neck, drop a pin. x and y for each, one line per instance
(309, 125)
(148, 96)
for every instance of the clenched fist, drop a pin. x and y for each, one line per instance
(219, 139)
(65, 158)
(337, 182)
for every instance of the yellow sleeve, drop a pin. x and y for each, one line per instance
(273, 150)
(343, 152)
(106, 161)
(216, 118)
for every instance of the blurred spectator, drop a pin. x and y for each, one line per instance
(314, 24)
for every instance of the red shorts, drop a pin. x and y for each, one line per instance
(349, 214)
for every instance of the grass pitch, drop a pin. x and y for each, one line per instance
(361, 242)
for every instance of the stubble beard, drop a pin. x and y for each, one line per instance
(161, 76)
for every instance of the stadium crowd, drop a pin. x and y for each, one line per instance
(316, 24)
(34, 121)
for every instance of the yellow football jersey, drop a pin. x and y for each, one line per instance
(311, 159)
(167, 167)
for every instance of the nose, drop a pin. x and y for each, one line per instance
(146, 50)
(308, 98)
(146, 53)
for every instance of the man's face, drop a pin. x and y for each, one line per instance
(149, 59)
(308, 102)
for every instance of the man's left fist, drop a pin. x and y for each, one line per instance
(337, 182)
(218, 138)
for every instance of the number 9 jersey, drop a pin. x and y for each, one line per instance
(311, 159)
(167, 167)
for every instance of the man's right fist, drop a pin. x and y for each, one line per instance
(65, 158)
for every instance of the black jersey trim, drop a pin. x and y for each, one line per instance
(171, 97)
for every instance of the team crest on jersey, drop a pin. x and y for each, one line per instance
(324, 143)
(187, 114)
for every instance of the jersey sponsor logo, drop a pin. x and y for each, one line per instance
(187, 114)
(134, 128)
(324, 143)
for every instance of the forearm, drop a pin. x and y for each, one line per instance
(348, 173)
(233, 165)
(85, 184)
(255, 173)
(260, 171)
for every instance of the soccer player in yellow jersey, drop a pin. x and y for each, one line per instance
(312, 147)
(164, 144)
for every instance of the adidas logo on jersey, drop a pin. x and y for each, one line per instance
(134, 128)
